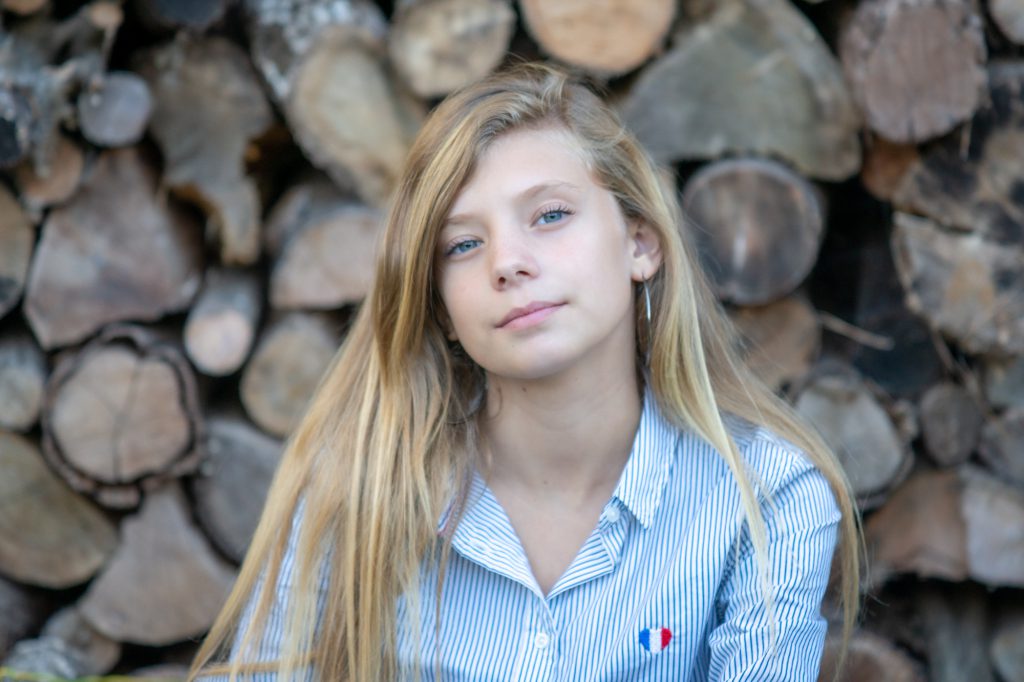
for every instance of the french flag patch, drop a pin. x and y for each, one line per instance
(655, 639)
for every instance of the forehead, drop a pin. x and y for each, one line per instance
(519, 160)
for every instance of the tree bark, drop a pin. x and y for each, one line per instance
(40, 188)
(22, 377)
(1004, 382)
(971, 183)
(209, 106)
(95, 653)
(17, 237)
(324, 62)
(965, 286)
(197, 15)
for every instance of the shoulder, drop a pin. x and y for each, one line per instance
(773, 461)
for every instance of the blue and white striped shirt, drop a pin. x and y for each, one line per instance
(657, 592)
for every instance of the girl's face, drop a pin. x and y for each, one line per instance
(536, 261)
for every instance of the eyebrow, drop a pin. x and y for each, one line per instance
(527, 193)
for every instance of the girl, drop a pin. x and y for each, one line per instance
(536, 456)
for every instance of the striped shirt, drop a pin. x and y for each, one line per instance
(664, 588)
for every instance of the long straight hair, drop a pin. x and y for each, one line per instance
(387, 440)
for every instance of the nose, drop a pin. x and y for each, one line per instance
(511, 259)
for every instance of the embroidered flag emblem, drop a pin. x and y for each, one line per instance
(655, 639)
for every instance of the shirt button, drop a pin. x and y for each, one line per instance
(541, 640)
(612, 514)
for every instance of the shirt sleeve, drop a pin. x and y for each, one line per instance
(268, 646)
(802, 532)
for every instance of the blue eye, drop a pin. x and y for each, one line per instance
(461, 247)
(553, 216)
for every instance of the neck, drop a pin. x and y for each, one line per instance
(568, 437)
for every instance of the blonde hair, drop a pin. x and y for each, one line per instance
(385, 442)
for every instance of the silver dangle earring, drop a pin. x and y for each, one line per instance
(647, 313)
(647, 304)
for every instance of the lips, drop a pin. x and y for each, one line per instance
(535, 308)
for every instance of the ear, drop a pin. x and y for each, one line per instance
(645, 246)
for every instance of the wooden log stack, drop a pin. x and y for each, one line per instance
(193, 205)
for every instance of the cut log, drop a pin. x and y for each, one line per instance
(1002, 445)
(609, 37)
(951, 525)
(920, 530)
(22, 377)
(781, 339)
(967, 287)
(759, 227)
(438, 46)
(1006, 649)
(1004, 382)
(17, 237)
(165, 583)
(1009, 17)
(24, 611)
(915, 67)
(51, 536)
(844, 410)
(122, 415)
(324, 62)
(973, 183)
(232, 483)
(116, 110)
(24, 7)
(40, 188)
(221, 326)
(994, 513)
(197, 15)
(768, 53)
(869, 657)
(308, 201)
(885, 165)
(329, 260)
(95, 264)
(209, 105)
(950, 423)
(286, 367)
(955, 618)
(94, 653)
(45, 657)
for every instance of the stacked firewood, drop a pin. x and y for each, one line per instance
(192, 203)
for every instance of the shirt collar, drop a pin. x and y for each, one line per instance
(642, 484)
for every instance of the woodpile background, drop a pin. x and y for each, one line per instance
(192, 195)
